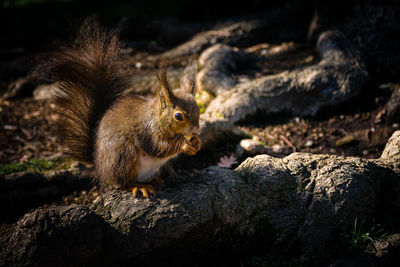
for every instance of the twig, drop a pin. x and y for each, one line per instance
(288, 142)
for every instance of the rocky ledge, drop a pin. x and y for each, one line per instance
(296, 202)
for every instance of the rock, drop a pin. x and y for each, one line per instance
(253, 147)
(392, 148)
(372, 25)
(282, 150)
(308, 143)
(388, 249)
(55, 236)
(216, 63)
(338, 77)
(355, 259)
(22, 191)
(20, 88)
(393, 105)
(250, 147)
(45, 91)
(296, 203)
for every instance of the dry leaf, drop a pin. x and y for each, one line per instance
(54, 116)
(227, 162)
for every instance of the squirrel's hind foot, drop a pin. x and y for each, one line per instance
(145, 189)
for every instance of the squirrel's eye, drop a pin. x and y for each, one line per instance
(178, 116)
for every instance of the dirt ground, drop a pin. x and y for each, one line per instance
(358, 128)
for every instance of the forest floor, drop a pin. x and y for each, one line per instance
(357, 128)
(360, 127)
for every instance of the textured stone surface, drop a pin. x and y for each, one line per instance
(388, 248)
(252, 147)
(392, 148)
(296, 202)
(216, 63)
(21, 191)
(337, 77)
(393, 105)
(55, 236)
(20, 88)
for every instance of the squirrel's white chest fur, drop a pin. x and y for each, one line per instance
(148, 166)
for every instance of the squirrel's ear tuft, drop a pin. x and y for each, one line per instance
(188, 82)
(164, 93)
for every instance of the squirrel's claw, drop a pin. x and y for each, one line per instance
(196, 142)
(145, 189)
(192, 147)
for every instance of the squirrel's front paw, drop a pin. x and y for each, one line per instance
(191, 147)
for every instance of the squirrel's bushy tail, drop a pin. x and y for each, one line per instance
(91, 74)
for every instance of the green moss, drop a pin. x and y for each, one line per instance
(11, 167)
(202, 107)
(36, 165)
(322, 162)
(203, 99)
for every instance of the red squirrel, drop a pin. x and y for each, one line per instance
(127, 137)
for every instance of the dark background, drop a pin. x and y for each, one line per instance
(374, 25)
(35, 22)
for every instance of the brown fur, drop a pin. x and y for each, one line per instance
(110, 130)
(92, 74)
